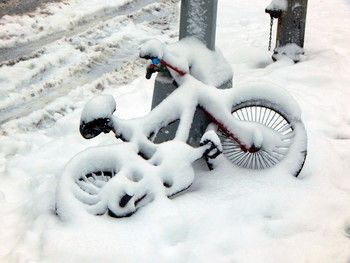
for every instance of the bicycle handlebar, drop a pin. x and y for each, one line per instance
(160, 65)
(182, 73)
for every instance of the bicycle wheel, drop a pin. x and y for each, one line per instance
(291, 150)
(102, 180)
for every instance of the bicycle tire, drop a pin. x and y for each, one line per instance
(95, 181)
(273, 116)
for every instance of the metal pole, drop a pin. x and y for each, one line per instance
(198, 19)
(291, 30)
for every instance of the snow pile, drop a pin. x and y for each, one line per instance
(102, 106)
(291, 50)
(278, 5)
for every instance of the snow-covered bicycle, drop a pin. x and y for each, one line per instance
(256, 126)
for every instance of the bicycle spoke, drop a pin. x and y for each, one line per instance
(281, 121)
(268, 118)
(286, 127)
(88, 187)
(87, 198)
(261, 159)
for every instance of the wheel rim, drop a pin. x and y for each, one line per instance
(262, 158)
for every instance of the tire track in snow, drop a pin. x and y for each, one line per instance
(15, 54)
(99, 59)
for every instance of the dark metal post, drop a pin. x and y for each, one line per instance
(291, 30)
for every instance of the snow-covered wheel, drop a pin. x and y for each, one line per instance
(291, 149)
(90, 186)
(102, 180)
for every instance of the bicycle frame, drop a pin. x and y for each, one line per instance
(171, 109)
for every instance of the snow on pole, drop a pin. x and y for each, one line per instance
(290, 29)
(198, 19)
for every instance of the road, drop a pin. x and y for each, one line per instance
(20, 7)
(98, 49)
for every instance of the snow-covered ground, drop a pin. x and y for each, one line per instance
(225, 216)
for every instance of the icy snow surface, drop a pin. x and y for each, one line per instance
(227, 215)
